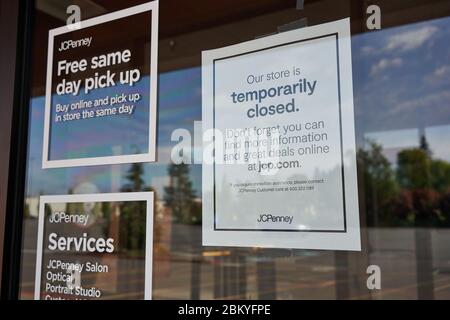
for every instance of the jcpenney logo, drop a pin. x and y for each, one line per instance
(277, 219)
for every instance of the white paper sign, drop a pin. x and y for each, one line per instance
(101, 90)
(87, 251)
(283, 171)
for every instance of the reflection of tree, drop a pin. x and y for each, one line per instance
(180, 196)
(413, 169)
(440, 175)
(425, 179)
(134, 178)
(422, 199)
(414, 176)
(133, 213)
(424, 146)
(415, 194)
(379, 182)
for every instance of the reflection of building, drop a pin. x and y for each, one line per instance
(394, 141)
(162, 236)
(33, 206)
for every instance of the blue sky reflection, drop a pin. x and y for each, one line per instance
(401, 81)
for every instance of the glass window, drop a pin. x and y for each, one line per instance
(401, 86)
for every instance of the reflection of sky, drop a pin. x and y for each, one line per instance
(438, 139)
(401, 81)
(402, 86)
(403, 138)
(179, 105)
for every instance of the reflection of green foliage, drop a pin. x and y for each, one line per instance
(132, 226)
(132, 213)
(134, 178)
(423, 178)
(379, 181)
(421, 194)
(180, 195)
(413, 169)
(440, 175)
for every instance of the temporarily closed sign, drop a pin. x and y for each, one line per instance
(283, 172)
